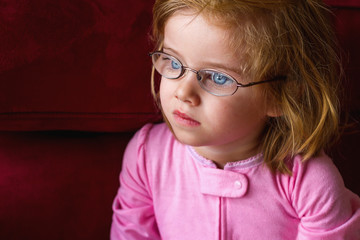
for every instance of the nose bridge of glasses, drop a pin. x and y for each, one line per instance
(191, 70)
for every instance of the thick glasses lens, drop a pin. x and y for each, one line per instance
(166, 65)
(217, 83)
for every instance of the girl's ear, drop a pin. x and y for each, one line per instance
(273, 108)
(274, 111)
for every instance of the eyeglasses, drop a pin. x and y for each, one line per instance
(212, 81)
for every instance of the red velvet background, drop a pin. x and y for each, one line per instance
(75, 65)
(74, 86)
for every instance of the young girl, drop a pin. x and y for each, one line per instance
(248, 95)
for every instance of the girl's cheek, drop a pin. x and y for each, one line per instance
(166, 88)
(164, 93)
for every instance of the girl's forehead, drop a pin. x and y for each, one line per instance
(230, 32)
(194, 29)
(187, 21)
(209, 17)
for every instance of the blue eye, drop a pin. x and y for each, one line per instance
(219, 78)
(175, 65)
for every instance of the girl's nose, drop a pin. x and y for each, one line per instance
(187, 89)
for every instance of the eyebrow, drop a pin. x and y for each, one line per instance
(212, 65)
(171, 50)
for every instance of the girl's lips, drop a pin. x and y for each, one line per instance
(184, 119)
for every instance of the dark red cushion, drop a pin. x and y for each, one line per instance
(75, 65)
(346, 23)
(58, 185)
(343, 3)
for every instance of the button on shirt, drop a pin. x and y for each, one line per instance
(167, 191)
(222, 183)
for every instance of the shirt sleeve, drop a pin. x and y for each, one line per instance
(133, 213)
(327, 210)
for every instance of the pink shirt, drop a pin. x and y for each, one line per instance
(167, 191)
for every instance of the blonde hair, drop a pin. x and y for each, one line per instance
(279, 37)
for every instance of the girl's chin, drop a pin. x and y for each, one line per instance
(188, 139)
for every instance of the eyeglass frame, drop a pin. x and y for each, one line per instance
(199, 77)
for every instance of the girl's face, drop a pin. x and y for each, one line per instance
(222, 129)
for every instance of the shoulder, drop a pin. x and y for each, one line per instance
(321, 167)
(312, 181)
(154, 132)
(140, 149)
(149, 139)
(316, 176)
(317, 173)
(318, 193)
